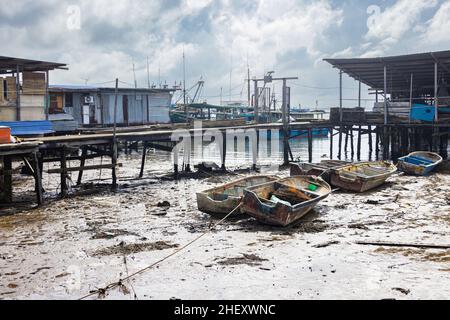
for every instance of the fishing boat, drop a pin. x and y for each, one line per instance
(224, 199)
(283, 202)
(322, 169)
(419, 163)
(362, 177)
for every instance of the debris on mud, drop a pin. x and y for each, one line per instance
(401, 290)
(163, 204)
(127, 249)
(246, 259)
(111, 234)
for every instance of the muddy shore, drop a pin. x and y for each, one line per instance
(69, 247)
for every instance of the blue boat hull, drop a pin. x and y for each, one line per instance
(419, 163)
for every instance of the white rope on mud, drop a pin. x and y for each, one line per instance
(103, 291)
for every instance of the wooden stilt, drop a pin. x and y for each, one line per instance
(114, 164)
(377, 143)
(331, 142)
(7, 180)
(64, 187)
(346, 143)
(144, 157)
(224, 150)
(358, 148)
(82, 164)
(37, 179)
(352, 142)
(369, 131)
(310, 145)
(340, 143)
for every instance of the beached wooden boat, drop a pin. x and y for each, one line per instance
(362, 177)
(419, 163)
(224, 199)
(322, 169)
(285, 201)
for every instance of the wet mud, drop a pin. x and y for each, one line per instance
(72, 246)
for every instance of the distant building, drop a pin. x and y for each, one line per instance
(94, 106)
(23, 88)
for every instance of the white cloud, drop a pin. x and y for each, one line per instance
(387, 28)
(439, 26)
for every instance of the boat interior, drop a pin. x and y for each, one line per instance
(367, 170)
(288, 192)
(419, 161)
(237, 189)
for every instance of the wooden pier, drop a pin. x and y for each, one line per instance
(387, 142)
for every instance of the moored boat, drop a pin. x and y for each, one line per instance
(362, 177)
(224, 199)
(419, 163)
(283, 202)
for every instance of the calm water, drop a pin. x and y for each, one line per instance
(272, 155)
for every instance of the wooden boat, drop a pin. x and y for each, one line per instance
(224, 199)
(419, 163)
(285, 201)
(322, 169)
(364, 176)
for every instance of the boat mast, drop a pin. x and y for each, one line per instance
(184, 85)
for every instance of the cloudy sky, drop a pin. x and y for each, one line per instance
(100, 39)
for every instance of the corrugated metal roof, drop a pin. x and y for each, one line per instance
(8, 64)
(370, 71)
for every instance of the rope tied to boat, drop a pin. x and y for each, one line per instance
(102, 291)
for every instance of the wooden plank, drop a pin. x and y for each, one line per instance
(85, 168)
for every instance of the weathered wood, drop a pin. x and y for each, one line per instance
(369, 129)
(358, 147)
(340, 143)
(114, 165)
(82, 164)
(63, 172)
(310, 145)
(331, 142)
(377, 143)
(352, 142)
(224, 150)
(7, 180)
(84, 168)
(144, 157)
(38, 180)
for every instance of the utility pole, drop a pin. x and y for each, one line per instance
(184, 87)
(148, 74)
(134, 75)
(249, 94)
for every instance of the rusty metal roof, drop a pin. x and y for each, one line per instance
(370, 71)
(9, 64)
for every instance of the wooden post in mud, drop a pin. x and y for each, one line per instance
(144, 157)
(82, 163)
(352, 141)
(369, 131)
(331, 142)
(224, 149)
(64, 187)
(310, 145)
(37, 179)
(358, 151)
(114, 165)
(114, 141)
(377, 143)
(346, 143)
(7, 180)
(443, 145)
(340, 142)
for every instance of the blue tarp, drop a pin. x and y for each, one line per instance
(29, 128)
(423, 112)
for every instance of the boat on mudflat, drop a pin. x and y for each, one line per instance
(286, 201)
(224, 199)
(420, 163)
(322, 169)
(362, 177)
